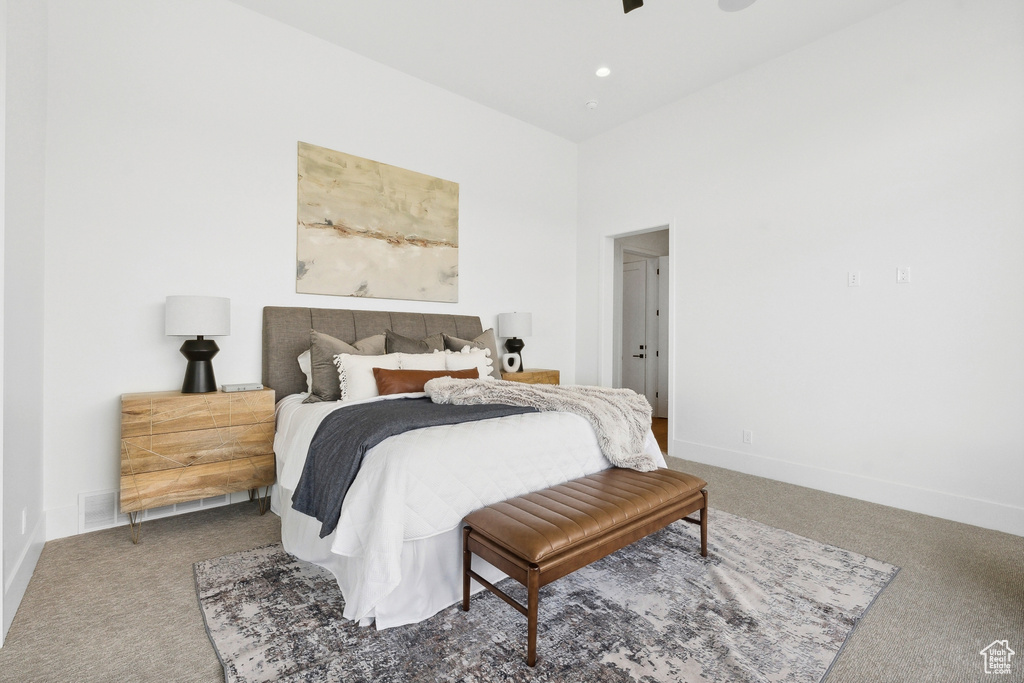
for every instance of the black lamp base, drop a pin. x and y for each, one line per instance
(515, 345)
(199, 371)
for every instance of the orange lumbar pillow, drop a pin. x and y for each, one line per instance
(409, 381)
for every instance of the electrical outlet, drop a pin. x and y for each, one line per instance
(748, 436)
(853, 278)
(903, 275)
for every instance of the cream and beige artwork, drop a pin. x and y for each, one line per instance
(373, 230)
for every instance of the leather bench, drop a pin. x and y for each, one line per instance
(548, 534)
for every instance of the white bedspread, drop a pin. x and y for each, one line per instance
(421, 484)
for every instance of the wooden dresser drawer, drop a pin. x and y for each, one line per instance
(164, 487)
(165, 412)
(181, 449)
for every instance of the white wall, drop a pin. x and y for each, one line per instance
(25, 140)
(171, 169)
(896, 142)
(3, 224)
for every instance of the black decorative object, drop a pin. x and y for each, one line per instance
(515, 345)
(630, 5)
(199, 371)
(515, 325)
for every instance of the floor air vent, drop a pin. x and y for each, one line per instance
(97, 511)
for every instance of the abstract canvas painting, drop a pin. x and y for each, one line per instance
(373, 230)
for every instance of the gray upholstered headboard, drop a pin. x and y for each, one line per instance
(286, 335)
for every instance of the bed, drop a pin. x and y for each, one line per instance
(396, 550)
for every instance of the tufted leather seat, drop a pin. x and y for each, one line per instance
(542, 536)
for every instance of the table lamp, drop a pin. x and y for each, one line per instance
(515, 325)
(198, 316)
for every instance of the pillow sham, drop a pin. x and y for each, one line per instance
(407, 381)
(371, 346)
(305, 364)
(396, 343)
(485, 340)
(322, 349)
(355, 374)
(470, 357)
(423, 361)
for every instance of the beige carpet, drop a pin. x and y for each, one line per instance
(100, 609)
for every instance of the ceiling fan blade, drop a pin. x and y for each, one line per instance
(630, 5)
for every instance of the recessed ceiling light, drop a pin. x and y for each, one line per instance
(592, 104)
(734, 5)
(603, 72)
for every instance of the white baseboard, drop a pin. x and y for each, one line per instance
(16, 585)
(983, 513)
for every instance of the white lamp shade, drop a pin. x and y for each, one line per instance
(194, 316)
(515, 324)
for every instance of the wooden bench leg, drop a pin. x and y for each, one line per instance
(467, 558)
(704, 525)
(532, 589)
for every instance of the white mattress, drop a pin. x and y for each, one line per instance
(396, 552)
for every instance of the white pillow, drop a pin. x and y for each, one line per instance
(423, 361)
(355, 373)
(470, 357)
(306, 365)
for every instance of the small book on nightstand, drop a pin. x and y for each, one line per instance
(241, 387)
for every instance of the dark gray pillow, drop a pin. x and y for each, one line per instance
(486, 340)
(322, 349)
(396, 343)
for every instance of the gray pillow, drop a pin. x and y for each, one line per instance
(396, 343)
(371, 346)
(486, 340)
(322, 349)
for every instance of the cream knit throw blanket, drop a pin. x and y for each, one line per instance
(620, 417)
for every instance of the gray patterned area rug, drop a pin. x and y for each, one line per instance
(765, 605)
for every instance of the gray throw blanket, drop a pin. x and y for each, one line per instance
(343, 438)
(620, 417)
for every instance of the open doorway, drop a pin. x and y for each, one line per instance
(641, 321)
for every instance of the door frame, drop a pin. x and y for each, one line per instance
(609, 370)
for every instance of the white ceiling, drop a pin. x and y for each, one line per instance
(535, 59)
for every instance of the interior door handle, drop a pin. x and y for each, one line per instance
(638, 355)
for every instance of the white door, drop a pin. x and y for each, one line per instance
(634, 326)
(661, 407)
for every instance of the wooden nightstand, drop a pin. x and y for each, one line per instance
(532, 376)
(179, 447)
